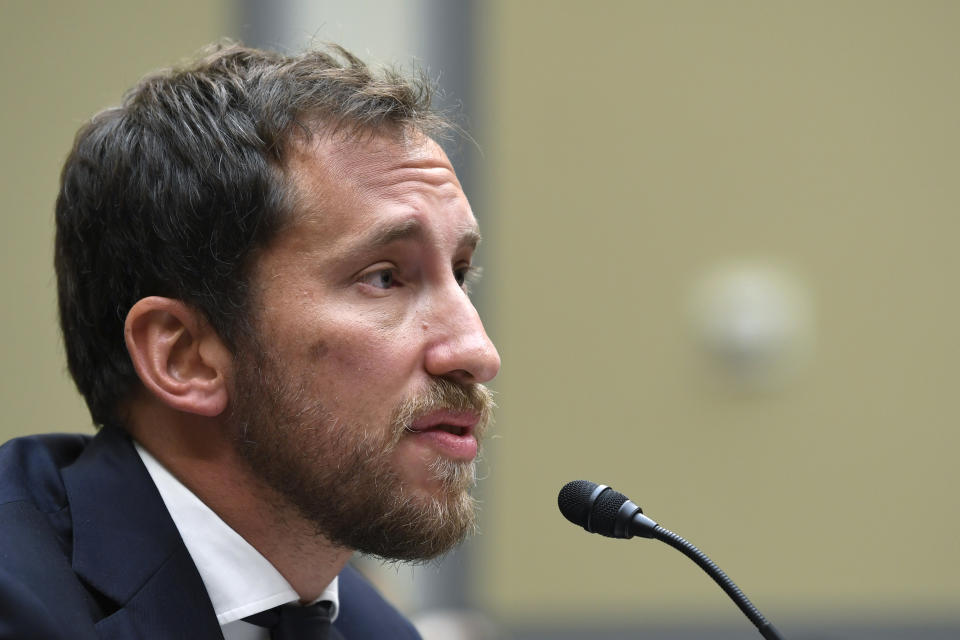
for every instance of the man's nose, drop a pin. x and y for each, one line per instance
(458, 345)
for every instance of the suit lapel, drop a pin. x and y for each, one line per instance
(126, 546)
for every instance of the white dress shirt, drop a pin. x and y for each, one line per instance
(239, 580)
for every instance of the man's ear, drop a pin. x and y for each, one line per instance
(178, 356)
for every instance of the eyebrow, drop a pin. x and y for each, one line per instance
(412, 229)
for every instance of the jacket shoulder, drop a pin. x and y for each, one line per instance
(30, 468)
(40, 596)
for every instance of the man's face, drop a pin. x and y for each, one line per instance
(360, 398)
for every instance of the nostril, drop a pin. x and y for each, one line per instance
(462, 375)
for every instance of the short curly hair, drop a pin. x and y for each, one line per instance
(173, 192)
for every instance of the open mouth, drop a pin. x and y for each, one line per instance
(449, 428)
(446, 428)
(449, 433)
(452, 422)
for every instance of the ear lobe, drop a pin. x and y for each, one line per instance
(178, 356)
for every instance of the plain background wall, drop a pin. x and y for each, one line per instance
(631, 148)
(62, 62)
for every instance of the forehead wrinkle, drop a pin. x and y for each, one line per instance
(408, 185)
(373, 167)
(386, 164)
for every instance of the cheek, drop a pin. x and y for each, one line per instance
(362, 354)
(340, 344)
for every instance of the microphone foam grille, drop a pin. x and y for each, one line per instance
(605, 512)
(574, 501)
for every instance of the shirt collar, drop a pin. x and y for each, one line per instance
(239, 580)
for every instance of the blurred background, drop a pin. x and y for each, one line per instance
(720, 268)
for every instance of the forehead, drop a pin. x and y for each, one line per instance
(344, 183)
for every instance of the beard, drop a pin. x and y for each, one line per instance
(340, 476)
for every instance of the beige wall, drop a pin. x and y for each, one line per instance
(61, 62)
(631, 147)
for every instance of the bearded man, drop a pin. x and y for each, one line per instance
(262, 266)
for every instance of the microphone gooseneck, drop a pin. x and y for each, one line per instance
(600, 509)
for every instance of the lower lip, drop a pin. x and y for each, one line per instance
(450, 445)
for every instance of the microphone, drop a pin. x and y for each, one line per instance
(600, 509)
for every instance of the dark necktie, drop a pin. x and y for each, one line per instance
(293, 622)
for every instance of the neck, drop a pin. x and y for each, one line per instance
(199, 452)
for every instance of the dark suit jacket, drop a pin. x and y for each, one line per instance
(89, 551)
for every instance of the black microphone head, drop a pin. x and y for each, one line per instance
(592, 506)
(604, 517)
(574, 501)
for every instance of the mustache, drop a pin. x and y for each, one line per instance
(444, 394)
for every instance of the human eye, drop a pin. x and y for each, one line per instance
(380, 278)
(467, 275)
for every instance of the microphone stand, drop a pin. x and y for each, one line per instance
(766, 628)
(600, 509)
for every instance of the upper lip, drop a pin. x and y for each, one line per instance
(466, 420)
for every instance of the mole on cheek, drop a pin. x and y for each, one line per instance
(319, 350)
